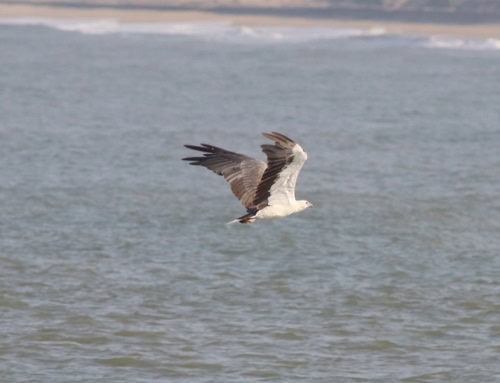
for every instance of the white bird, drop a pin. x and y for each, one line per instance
(266, 190)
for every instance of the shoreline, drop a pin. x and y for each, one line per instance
(137, 15)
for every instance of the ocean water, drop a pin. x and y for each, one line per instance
(116, 264)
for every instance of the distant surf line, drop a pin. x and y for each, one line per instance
(225, 31)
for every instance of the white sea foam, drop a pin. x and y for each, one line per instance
(90, 27)
(221, 31)
(228, 32)
(297, 34)
(439, 42)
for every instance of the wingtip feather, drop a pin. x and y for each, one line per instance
(278, 137)
(283, 136)
(197, 159)
(198, 148)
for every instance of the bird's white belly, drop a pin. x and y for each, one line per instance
(277, 211)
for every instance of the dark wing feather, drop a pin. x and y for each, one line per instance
(279, 156)
(243, 173)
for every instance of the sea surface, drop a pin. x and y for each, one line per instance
(116, 263)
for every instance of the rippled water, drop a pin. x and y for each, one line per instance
(116, 264)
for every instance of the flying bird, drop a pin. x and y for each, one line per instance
(267, 190)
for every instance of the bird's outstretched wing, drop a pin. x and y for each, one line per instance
(243, 173)
(284, 160)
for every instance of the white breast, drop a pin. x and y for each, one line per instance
(277, 211)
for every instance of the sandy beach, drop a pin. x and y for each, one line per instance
(11, 11)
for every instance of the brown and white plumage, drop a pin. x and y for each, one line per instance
(266, 190)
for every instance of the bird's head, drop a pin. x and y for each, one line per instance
(303, 204)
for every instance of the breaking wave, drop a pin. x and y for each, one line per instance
(221, 31)
(228, 32)
(489, 44)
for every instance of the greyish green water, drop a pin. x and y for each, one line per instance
(115, 261)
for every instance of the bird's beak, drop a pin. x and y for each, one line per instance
(311, 204)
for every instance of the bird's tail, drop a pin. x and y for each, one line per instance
(250, 217)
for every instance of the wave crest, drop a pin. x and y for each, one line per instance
(220, 31)
(439, 42)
